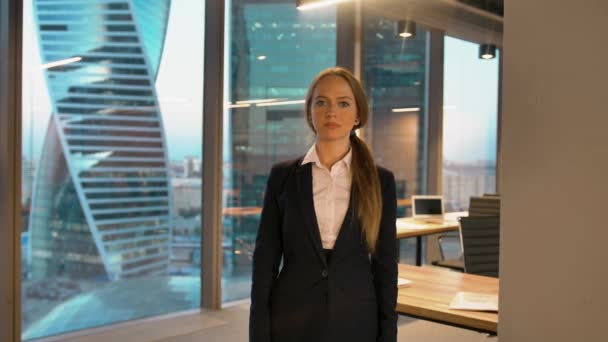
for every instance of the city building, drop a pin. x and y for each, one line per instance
(192, 167)
(274, 52)
(101, 198)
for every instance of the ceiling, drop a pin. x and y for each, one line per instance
(480, 21)
(492, 6)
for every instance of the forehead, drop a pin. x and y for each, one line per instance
(333, 86)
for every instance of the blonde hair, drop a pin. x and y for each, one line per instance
(365, 183)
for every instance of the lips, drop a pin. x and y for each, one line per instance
(331, 125)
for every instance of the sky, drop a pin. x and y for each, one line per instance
(470, 100)
(470, 91)
(180, 79)
(179, 84)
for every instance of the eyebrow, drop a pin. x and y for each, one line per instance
(339, 97)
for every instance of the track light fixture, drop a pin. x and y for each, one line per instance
(406, 28)
(487, 51)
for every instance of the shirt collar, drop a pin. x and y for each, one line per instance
(312, 157)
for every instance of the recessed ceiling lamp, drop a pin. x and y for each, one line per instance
(405, 109)
(406, 28)
(487, 51)
(304, 5)
(280, 103)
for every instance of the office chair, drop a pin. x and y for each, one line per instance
(480, 240)
(486, 205)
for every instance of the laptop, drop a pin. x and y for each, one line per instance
(428, 208)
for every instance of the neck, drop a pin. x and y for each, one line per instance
(330, 152)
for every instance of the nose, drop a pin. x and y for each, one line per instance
(330, 110)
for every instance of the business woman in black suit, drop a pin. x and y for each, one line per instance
(314, 281)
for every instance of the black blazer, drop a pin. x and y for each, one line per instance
(353, 298)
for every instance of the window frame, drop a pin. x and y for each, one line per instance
(213, 94)
(10, 169)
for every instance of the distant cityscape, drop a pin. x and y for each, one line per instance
(461, 181)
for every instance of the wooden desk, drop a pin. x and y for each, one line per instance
(404, 202)
(241, 211)
(407, 227)
(431, 291)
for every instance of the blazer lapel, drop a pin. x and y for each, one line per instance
(305, 195)
(345, 229)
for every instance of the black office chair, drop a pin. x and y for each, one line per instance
(480, 240)
(486, 205)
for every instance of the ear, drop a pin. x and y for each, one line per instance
(356, 121)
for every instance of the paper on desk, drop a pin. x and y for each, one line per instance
(474, 301)
(402, 282)
(403, 224)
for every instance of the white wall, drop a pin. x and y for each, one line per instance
(554, 243)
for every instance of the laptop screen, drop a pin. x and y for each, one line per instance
(428, 206)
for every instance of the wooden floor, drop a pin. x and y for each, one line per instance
(231, 324)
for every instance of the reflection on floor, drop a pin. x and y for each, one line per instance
(62, 305)
(231, 324)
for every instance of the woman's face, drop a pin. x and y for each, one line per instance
(333, 109)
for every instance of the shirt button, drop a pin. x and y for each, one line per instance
(324, 273)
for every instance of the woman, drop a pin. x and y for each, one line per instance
(329, 221)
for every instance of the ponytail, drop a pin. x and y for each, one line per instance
(366, 191)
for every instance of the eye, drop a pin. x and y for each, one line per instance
(320, 102)
(343, 104)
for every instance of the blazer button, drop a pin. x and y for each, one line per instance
(324, 273)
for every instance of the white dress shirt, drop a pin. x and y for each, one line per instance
(331, 194)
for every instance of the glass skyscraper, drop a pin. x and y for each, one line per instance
(274, 51)
(101, 195)
(394, 74)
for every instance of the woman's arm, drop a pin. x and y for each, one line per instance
(384, 262)
(266, 260)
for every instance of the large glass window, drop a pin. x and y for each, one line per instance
(112, 122)
(469, 123)
(394, 73)
(273, 51)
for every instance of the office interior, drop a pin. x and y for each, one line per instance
(191, 102)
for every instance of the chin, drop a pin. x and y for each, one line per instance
(332, 137)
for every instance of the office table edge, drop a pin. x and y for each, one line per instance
(447, 317)
(404, 233)
(437, 310)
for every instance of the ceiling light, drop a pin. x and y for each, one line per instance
(280, 103)
(406, 28)
(304, 5)
(60, 63)
(487, 51)
(242, 105)
(259, 101)
(405, 110)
